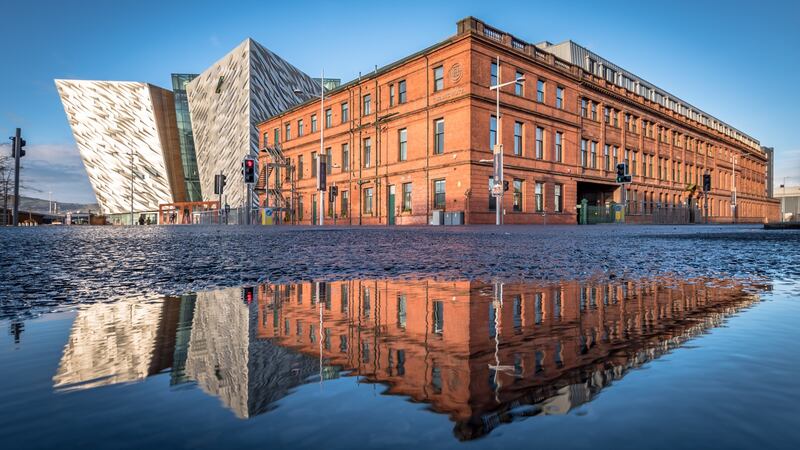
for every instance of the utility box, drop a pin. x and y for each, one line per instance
(437, 217)
(454, 218)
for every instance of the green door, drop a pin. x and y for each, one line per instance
(390, 207)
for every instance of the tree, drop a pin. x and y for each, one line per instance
(6, 179)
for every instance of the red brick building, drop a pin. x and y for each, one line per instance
(438, 341)
(416, 136)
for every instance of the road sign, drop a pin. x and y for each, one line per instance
(497, 190)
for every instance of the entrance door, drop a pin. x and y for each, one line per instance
(314, 209)
(390, 206)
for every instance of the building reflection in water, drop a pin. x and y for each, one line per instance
(482, 353)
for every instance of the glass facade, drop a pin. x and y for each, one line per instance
(188, 158)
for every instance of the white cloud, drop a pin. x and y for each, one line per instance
(55, 168)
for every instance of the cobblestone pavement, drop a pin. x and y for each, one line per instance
(43, 268)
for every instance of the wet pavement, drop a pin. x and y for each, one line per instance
(44, 268)
(570, 337)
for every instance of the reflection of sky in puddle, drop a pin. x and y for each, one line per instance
(480, 353)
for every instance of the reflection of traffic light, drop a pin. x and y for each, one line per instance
(248, 294)
(505, 185)
(249, 170)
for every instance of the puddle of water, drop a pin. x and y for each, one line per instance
(395, 363)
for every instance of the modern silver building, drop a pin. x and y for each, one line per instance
(127, 138)
(245, 87)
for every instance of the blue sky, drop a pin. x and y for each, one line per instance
(736, 60)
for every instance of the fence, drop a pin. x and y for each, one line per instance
(671, 214)
(234, 216)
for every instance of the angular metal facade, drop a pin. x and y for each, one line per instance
(127, 138)
(248, 85)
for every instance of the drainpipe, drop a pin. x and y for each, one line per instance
(360, 150)
(377, 145)
(427, 139)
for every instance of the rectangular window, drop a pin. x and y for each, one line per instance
(391, 95)
(492, 132)
(402, 144)
(606, 114)
(406, 196)
(401, 91)
(367, 208)
(438, 137)
(345, 112)
(328, 118)
(614, 154)
(517, 205)
(345, 203)
(584, 152)
(583, 108)
(539, 142)
(438, 78)
(438, 194)
(558, 199)
(540, 91)
(277, 133)
(313, 123)
(265, 138)
(594, 110)
(606, 158)
(288, 132)
(367, 105)
(300, 128)
(559, 145)
(594, 155)
(633, 164)
(616, 118)
(518, 138)
(560, 97)
(345, 157)
(299, 212)
(493, 78)
(314, 164)
(300, 167)
(328, 160)
(519, 86)
(539, 196)
(401, 311)
(367, 160)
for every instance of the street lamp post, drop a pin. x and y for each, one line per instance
(733, 192)
(322, 156)
(321, 167)
(497, 186)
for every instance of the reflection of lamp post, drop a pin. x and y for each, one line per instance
(497, 304)
(497, 187)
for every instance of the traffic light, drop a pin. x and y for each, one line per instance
(219, 184)
(322, 174)
(14, 146)
(706, 182)
(622, 173)
(248, 294)
(332, 193)
(249, 168)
